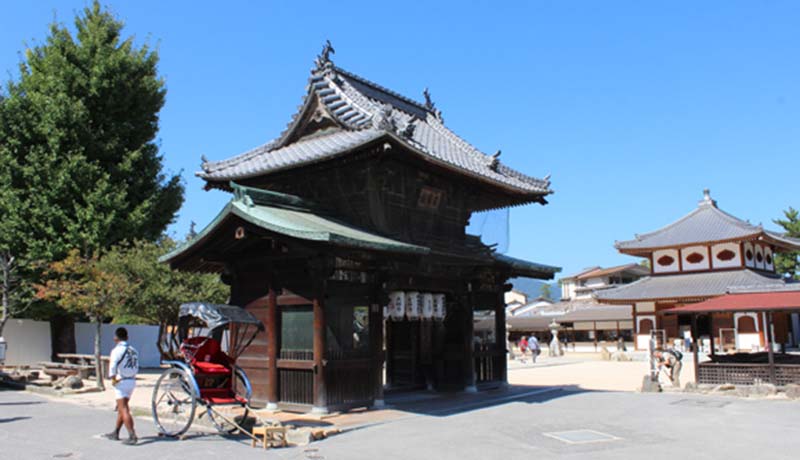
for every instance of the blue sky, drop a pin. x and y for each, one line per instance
(632, 107)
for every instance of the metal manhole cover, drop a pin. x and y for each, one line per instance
(700, 403)
(581, 436)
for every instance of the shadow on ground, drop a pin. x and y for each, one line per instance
(440, 404)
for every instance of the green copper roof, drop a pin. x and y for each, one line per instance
(525, 268)
(296, 218)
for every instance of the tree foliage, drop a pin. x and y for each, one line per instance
(545, 291)
(79, 165)
(788, 264)
(161, 290)
(79, 129)
(86, 286)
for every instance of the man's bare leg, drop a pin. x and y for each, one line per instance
(127, 419)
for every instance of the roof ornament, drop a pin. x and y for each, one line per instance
(324, 58)
(384, 119)
(428, 101)
(204, 163)
(495, 160)
(707, 200)
(430, 106)
(408, 131)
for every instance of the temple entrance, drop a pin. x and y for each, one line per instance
(403, 365)
(410, 355)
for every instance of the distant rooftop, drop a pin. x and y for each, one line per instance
(707, 223)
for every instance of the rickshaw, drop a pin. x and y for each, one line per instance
(211, 338)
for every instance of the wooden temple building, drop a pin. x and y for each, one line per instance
(346, 237)
(705, 254)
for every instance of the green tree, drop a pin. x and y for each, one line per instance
(12, 285)
(80, 165)
(545, 291)
(80, 127)
(161, 290)
(85, 286)
(788, 264)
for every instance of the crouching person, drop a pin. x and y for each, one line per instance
(671, 360)
(122, 370)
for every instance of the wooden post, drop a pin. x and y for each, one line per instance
(376, 345)
(501, 341)
(469, 345)
(711, 333)
(320, 390)
(272, 349)
(389, 354)
(770, 352)
(695, 346)
(594, 334)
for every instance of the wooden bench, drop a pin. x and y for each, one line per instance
(272, 436)
(55, 370)
(85, 360)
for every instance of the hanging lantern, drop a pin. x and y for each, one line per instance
(397, 305)
(439, 306)
(413, 305)
(427, 305)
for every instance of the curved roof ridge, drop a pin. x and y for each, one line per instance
(702, 208)
(381, 88)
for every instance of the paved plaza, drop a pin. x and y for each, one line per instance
(520, 422)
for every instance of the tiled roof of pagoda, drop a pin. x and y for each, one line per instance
(689, 286)
(705, 224)
(362, 112)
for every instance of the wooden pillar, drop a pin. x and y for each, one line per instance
(711, 333)
(594, 334)
(770, 352)
(272, 349)
(376, 345)
(695, 346)
(469, 344)
(320, 390)
(389, 354)
(501, 339)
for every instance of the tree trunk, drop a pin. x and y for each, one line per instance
(98, 363)
(5, 286)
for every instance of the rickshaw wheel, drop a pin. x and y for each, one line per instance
(222, 425)
(174, 402)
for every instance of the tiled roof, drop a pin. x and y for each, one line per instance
(525, 268)
(293, 217)
(688, 285)
(788, 301)
(365, 111)
(705, 224)
(636, 268)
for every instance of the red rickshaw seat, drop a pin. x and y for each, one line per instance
(208, 358)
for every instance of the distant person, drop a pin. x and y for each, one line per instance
(122, 370)
(533, 345)
(671, 359)
(523, 348)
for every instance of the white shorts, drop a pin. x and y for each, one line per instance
(124, 389)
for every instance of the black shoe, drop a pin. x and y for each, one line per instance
(112, 436)
(131, 441)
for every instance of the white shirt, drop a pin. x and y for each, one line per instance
(121, 364)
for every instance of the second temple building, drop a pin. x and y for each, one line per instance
(346, 236)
